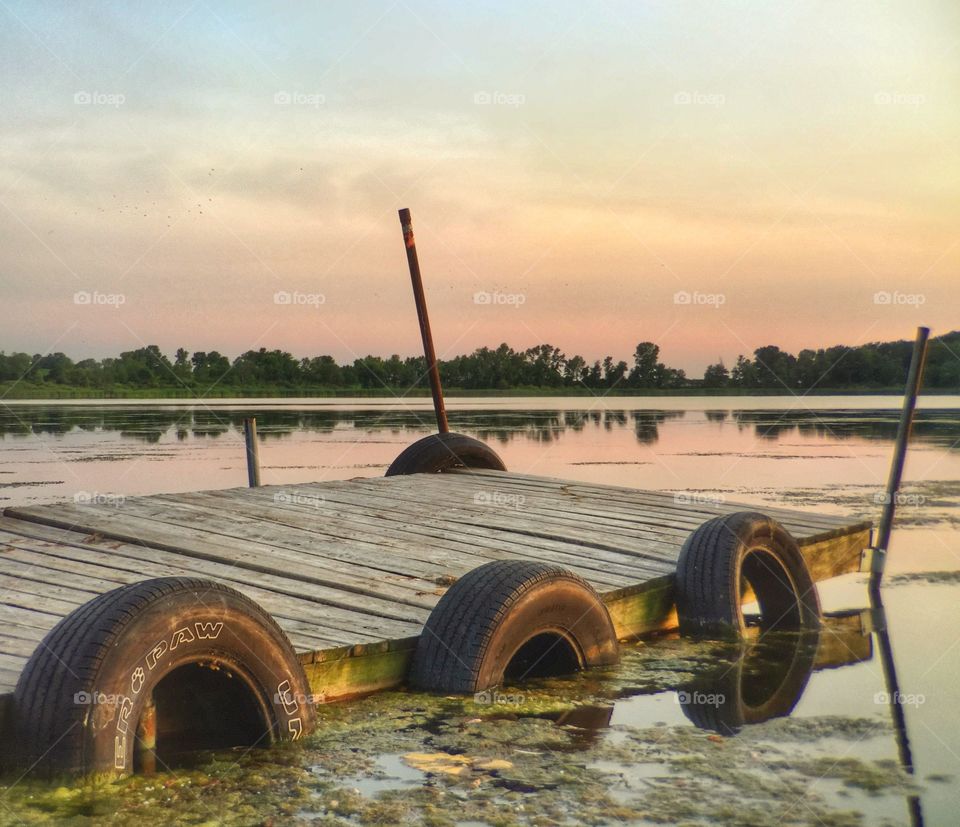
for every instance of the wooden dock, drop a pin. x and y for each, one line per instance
(351, 569)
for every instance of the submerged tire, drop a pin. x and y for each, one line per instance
(512, 619)
(208, 665)
(724, 555)
(764, 681)
(442, 452)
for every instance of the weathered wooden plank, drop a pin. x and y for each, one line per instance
(10, 645)
(28, 618)
(658, 542)
(441, 553)
(13, 663)
(342, 678)
(339, 550)
(443, 532)
(450, 494)
(335, 625)
(647, 508)
(385, 601)
(186, 522)
(834, 556)
(659, 554)
(49, 537)
(697, 511)
(8, 682)
(18, 577)
(644, 609)
(63, 601)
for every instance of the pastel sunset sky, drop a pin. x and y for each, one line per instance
(710, 176)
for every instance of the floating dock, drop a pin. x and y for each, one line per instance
(351, 569)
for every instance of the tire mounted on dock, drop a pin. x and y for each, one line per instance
(512, 619)
(730, 554)
(171, 659)
(442, 452)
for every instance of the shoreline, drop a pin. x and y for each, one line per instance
(503, 402)
(401, 394)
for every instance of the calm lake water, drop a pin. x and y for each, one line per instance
(835, 760)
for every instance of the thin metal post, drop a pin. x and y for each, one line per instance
(253, 451)
(914, 381)
(420, 299)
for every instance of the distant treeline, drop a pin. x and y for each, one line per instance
(864, 367)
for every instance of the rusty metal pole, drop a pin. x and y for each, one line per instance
(914, 381)
(253, 451)
(418, 296)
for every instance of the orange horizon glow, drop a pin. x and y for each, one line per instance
(781, 168)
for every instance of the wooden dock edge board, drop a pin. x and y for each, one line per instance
(644, 609)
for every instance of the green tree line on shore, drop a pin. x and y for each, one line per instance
(877, 365)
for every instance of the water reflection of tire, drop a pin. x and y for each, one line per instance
(728, 554)
(765, 681)
(190, 663)
(510, 620)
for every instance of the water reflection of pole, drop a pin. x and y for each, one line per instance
(896, 700)
(879, 558)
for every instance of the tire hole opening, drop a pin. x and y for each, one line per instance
(202, 706)
(546, 655)
(773, 590)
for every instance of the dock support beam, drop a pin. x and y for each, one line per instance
(914, 381)
(406, 222)
(253, 451)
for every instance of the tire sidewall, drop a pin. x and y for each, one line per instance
(771, 538)
(561, 606)
(178, 630)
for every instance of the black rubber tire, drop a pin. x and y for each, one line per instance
(723, 550)
(79, 699)
(441, 452)
(483, 620)
(752, 689)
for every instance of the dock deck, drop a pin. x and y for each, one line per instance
(351, 569)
